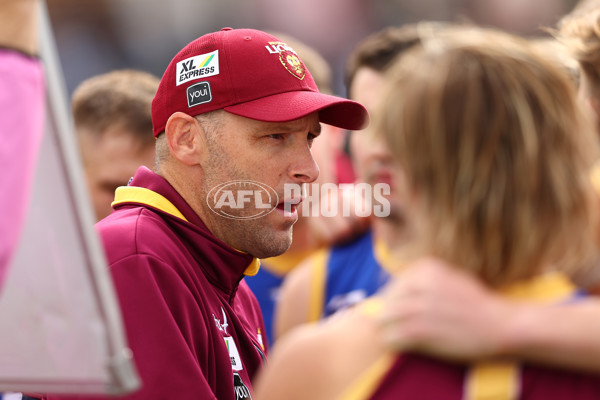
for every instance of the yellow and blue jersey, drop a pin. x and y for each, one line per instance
(344, 275)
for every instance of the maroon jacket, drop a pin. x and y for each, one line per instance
(191, 320)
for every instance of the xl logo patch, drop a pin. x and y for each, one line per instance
(241, 390)
(234, 354)
(198, 93)
(197, 67)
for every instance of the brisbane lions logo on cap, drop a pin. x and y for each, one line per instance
(288, 58)
(292, 63)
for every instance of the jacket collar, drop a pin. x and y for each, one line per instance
(221, 262)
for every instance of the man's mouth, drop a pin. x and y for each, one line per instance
(289, 207)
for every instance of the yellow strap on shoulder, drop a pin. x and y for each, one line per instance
(317, 285)
(501, 380)
(383, 256)
(140, 195)
(364, 387)
(493, 380)
(283, 264)
(371, 306)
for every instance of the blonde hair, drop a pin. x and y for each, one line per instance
(558, 52)
(496, 154)
(580, 32)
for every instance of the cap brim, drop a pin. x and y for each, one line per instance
(288, 106)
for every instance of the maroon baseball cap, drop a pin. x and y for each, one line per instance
(248, 73)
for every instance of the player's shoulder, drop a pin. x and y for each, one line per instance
(133, 231)
(321, 358)
(301, 364)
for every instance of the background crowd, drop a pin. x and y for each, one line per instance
(97, 36)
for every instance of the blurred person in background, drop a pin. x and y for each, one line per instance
(523, 18)
(465, 327)
(483, 186)
(579, 31)
(22, 106)
(22, 111)
(559, 53)
(473, 323)
(113, 122)
(342, 275)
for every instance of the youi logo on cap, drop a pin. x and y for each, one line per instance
(198, 93)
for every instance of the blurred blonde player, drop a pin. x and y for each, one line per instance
(496, 156)
(579, 31)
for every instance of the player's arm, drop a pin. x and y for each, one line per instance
(438, 310)
(301, 296)
(19, 25)
(291, 372)
(21, 117)
(567, 335)
(314, 361)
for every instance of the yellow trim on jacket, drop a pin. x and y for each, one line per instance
(140, 195)
(134, 194)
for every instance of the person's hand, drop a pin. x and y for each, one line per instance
(435, 309)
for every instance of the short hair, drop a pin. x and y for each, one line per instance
(210, 122)
(496, 152)
(121, 97)
(378, 50)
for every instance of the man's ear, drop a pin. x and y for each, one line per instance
(182, 136)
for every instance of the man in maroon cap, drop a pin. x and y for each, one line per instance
(234, 118)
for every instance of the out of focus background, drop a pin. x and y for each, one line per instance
(96, 36)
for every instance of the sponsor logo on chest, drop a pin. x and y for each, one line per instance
(241, 390)
(232, 350)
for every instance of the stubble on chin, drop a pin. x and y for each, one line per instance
(252, 236)
(265, 242)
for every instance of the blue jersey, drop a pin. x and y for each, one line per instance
(265, 285)
(345, 275)
(267, 282)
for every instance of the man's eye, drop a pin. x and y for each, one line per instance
(275, 136)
